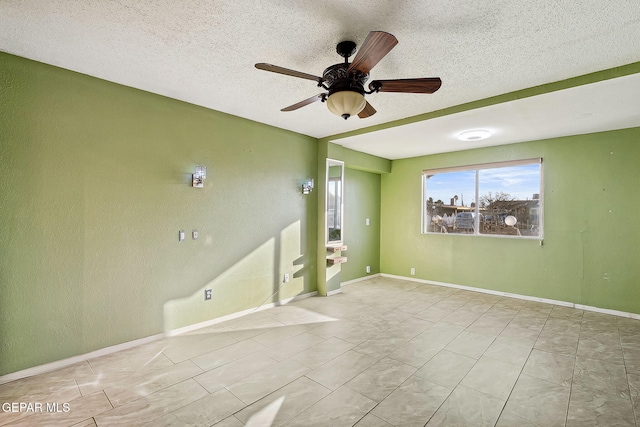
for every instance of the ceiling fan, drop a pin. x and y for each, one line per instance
(345, 82)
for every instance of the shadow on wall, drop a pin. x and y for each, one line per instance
(242, 285)
(90, 243)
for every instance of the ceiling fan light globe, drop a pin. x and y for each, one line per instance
(346, 103)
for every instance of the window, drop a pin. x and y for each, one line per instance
(497, 199)
(334, 203)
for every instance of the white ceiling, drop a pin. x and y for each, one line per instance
(606, 105)
(204, 51)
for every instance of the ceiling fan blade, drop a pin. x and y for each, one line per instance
(287, 72)
(373, 49)
(368, 111)
(307, 101)
(425, 85)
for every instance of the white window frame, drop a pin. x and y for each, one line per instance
(477, 167)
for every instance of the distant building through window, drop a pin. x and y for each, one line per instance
(497, 199)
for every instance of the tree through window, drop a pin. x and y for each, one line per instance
(501, 199)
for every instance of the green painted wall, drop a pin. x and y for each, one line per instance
(357, 160)
(324, 281)
(94, 186)
(591, 233)
(361, 201)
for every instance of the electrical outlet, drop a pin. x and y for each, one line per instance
(180, 235)
(194, 234)
(366, 221)
(286, 278)
(207, 294)
(413, 271)
(368, 269)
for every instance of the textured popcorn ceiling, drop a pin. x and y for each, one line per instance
(204, 52)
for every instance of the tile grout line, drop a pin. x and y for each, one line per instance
(400, 385)
(521, 369)
(624, 360)
(398, 294)
(573, 373)
(451, 390)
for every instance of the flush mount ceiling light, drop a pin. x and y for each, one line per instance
(474, 135)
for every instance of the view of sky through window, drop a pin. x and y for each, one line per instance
(498, 199)
(521, 182)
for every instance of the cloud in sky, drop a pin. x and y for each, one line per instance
(521, 182)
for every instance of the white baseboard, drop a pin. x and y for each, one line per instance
(58, 364)
(333, 292)
(63, 363)
(608, 311)
(235, 315)
(518, 296)
(360, 279)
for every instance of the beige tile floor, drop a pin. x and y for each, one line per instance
(385, 352)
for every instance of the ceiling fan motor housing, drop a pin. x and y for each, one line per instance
(337, 79)
(345, 82)
(340, 83)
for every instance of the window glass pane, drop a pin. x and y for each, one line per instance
(450, 202)
(506, 193)
(334, 202)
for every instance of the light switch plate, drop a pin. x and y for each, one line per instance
(181, 235)
(194, 234)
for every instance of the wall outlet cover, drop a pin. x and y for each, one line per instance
(368, 269)
(413, 271)
(207, 294)
(286, 278)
